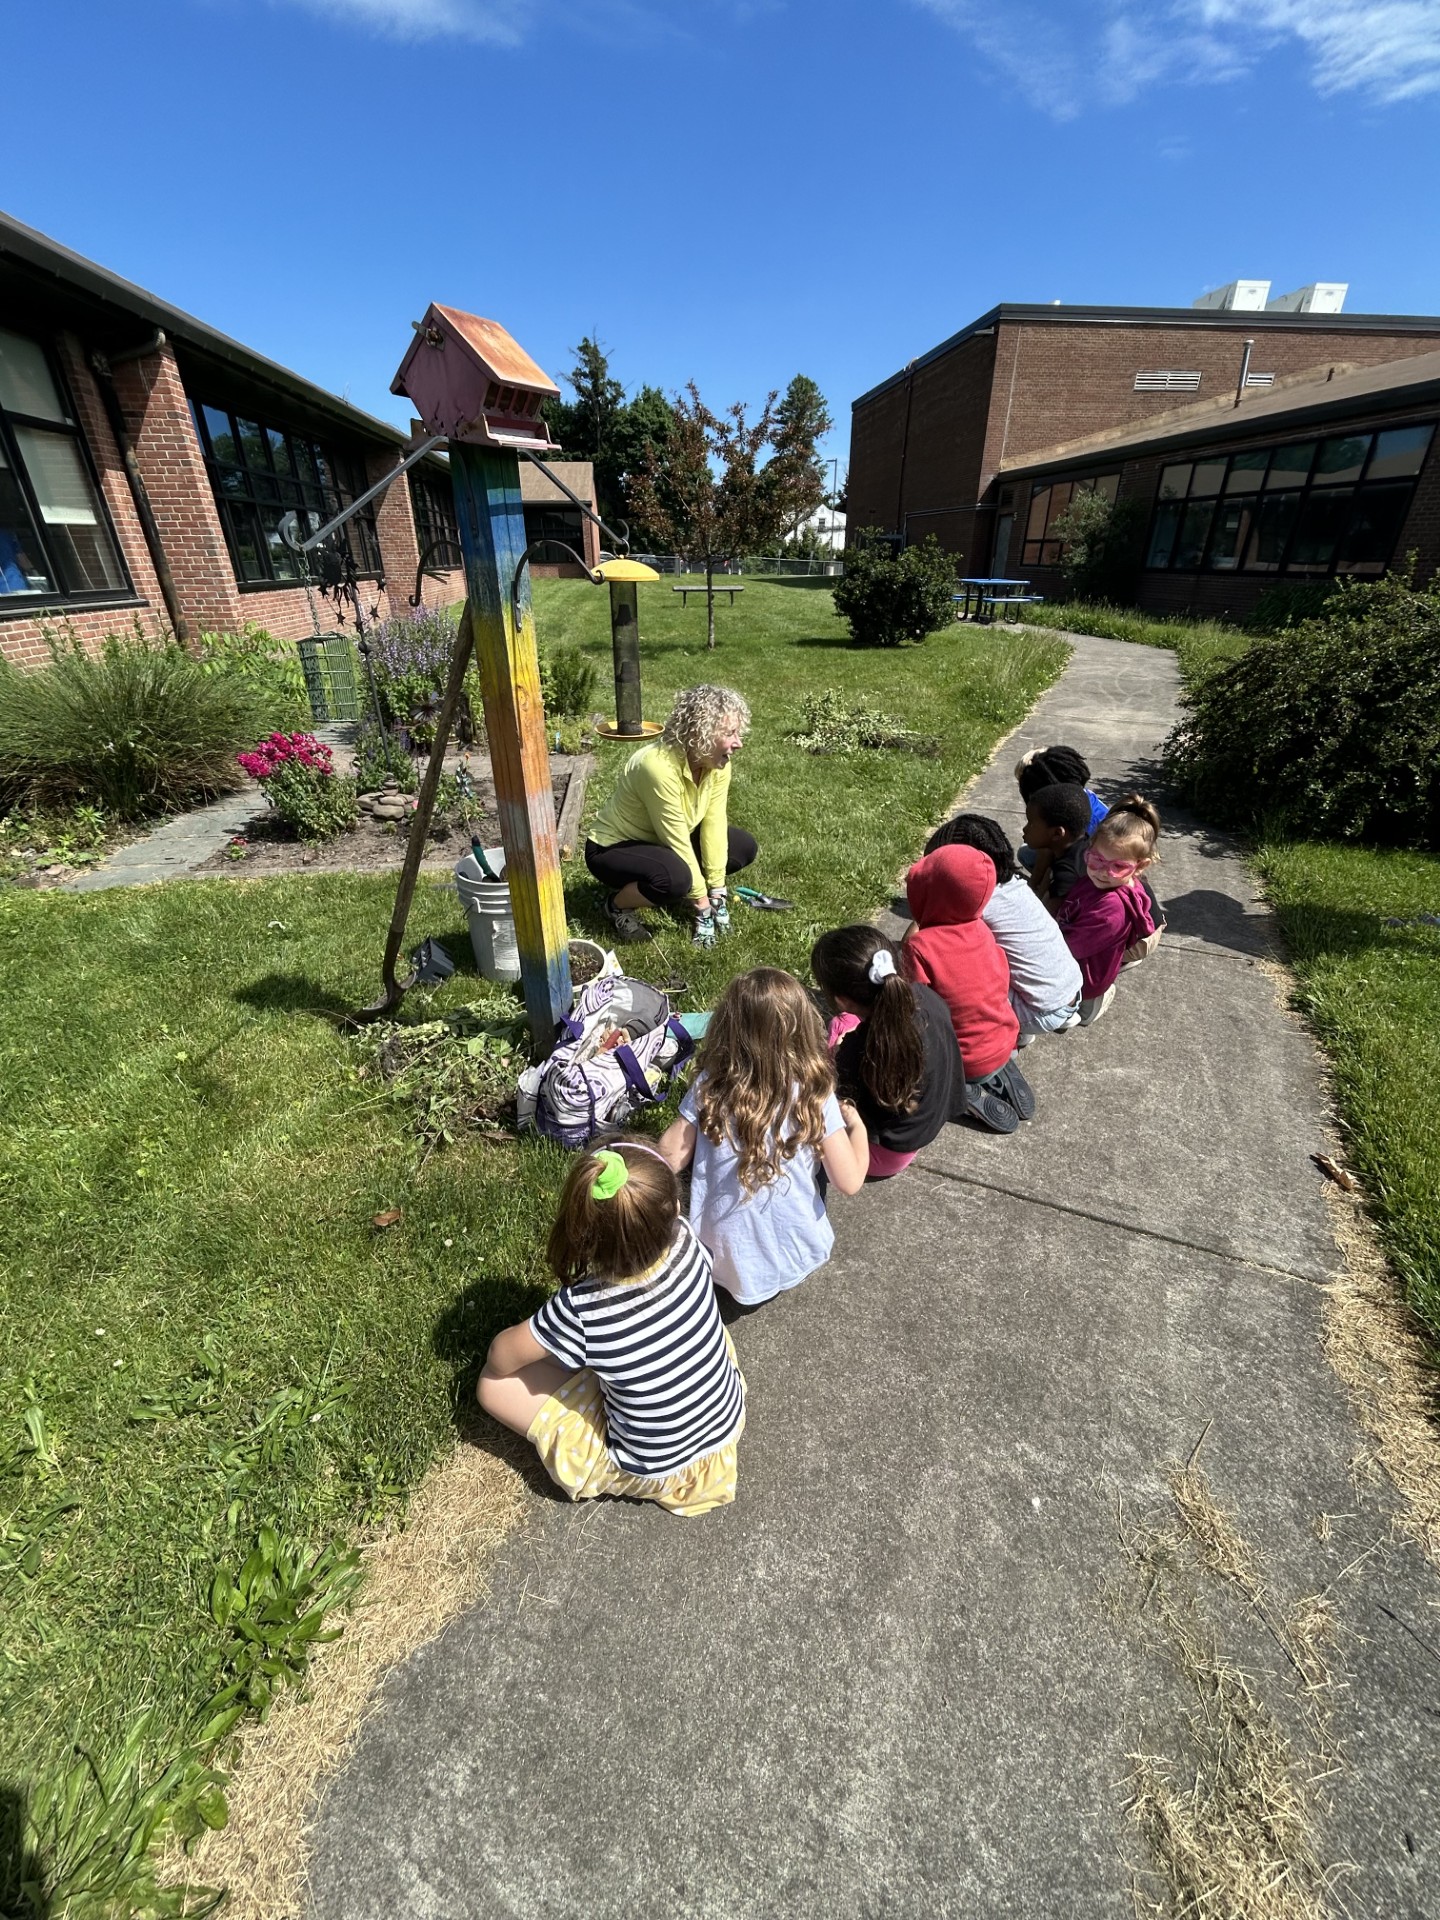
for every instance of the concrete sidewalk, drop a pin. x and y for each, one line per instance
(905, 1674)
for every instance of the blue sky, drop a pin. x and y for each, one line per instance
(734, 190)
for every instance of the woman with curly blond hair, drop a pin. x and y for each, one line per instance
(663, 836)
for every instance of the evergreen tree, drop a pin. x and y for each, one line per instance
(795, 476)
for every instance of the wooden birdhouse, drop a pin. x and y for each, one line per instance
(469, 380)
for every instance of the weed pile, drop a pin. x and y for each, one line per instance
(455, 1075)
(831, 723)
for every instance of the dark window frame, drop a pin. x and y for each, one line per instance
(432, 507)
(1042, 549)
(273, 469)
(20, 606)
(1360, 492)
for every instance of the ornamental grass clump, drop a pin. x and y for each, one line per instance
(297, 776)
(138, 728)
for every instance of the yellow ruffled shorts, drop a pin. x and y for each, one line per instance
(568, 1433)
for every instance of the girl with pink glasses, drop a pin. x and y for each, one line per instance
(1107, 912)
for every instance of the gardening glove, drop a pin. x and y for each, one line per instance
(705, 934)
(720, 908)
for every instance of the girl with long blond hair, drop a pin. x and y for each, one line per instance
(758, 1124)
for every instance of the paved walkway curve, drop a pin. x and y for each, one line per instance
(896, 1679)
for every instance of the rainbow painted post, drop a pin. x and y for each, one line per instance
(491, 521)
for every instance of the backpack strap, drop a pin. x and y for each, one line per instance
(624, 1057)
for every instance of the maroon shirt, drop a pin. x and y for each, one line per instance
(1099, 923)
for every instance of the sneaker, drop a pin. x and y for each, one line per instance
(1012, 1085)
(705, 933)
(720, 907)
(1091, 1010)
(984, 1106)
(1027, 1040)
(1073, 1021)
(625, 922)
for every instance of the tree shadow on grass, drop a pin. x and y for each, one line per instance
(830, 643)
(19, 1864)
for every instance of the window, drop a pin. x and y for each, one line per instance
(1048, 500)
(263, 473)
(433, 501)
(555, 523)
(1167, 381)
(56, 541)
(1309, 507)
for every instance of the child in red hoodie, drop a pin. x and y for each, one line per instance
(1107, 911)
(953, 951)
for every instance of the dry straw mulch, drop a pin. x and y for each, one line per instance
(417, 1580)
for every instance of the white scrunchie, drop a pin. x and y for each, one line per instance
(882, 966)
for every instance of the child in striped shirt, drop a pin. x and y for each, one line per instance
(625, 1381)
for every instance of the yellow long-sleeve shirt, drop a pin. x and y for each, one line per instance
(657, 799)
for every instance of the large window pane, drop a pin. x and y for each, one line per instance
(254, 446)
(74, 526)
(1209, 478)
(222, 436)
(1107, 486)
(1162, 534)
(1290, 466)
(1339, 460)
(1232, 531)
(1317, 535)
(1174, 482)
(1374, 530)
(1060, 498)
(22, 563)
(1039, 508)
(1399, 453)
(1247, 471)
(1193, 531)
(26, 382)
(1274, 518)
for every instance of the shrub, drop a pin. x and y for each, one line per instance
(890, 597)
(137, 728)
(299, 780)
(567, 683)
(1100, 545)
(411, 658)
(1330, 730)
(380, 757)
(1288, 602)
(269, 666)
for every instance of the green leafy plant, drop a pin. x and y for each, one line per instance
(889, 598)
(1100, 545)
(567, 683)
(274, 1607)
(136, 728)
(380, 757)
(297, 776)
(1330, 730)
(1287, 602)
(831, 723)
(453, 1074)
(269, 667)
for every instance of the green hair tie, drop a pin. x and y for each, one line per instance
(612, 1175)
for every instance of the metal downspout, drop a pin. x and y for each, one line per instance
(149, 526)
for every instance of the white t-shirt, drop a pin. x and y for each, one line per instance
(1043, 971)
(762, 1242)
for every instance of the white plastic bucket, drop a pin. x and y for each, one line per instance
(487, 908)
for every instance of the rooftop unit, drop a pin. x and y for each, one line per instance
(1241, 296)
(1321, 296)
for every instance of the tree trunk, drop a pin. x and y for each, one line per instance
(710, 601)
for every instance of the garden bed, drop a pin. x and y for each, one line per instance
(373, 846)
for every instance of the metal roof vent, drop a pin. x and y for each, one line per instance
(1241, 296)
(1321, 296)
(1168, 380)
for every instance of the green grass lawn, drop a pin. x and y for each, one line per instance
(1371, 992)
(209, 1355)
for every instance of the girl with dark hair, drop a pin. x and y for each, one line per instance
(625, 1381)
(1107, 914)
(1044, 975)
(895, 1051)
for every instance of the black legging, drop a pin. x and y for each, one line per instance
(661, 875)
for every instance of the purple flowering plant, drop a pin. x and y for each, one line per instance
(411, 658)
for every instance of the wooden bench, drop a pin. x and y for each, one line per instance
(716, 587)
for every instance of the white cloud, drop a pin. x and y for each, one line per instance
(494, 22)
(1065, 55)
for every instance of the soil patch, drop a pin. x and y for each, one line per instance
(371, 847)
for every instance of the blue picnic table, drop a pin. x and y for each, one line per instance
(987, 594)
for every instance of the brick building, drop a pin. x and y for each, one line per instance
(927, 446)
(147, 462)
(1315, 478)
